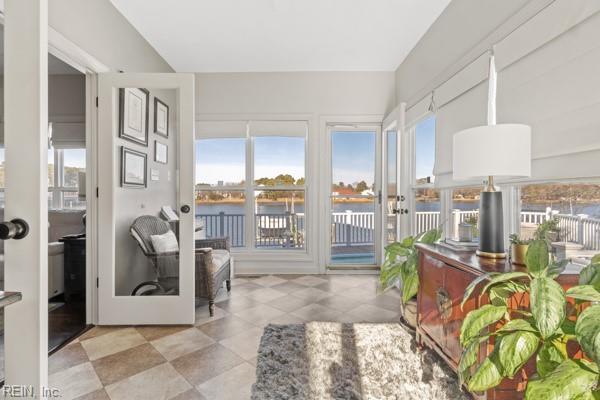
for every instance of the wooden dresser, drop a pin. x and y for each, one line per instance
(444, 275)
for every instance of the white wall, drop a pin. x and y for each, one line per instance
(315, 96)
(316, 93)
(99, 29)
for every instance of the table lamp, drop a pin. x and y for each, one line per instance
(487, 152)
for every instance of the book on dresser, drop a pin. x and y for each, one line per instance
(444, 275)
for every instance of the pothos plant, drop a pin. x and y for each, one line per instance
(400, 264)
(542, 330)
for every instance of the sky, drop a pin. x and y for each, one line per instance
(353, 156)
(223, 159)
(425, 147)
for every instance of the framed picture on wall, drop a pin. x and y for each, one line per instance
(161, 152)
(161, 118)
(133, 115)
(133, 168)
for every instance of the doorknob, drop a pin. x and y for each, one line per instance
(395, 211)
(185, 209)
(15, 229)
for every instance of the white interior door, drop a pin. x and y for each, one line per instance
(145, 163)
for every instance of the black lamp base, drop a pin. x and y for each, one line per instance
(491, 226)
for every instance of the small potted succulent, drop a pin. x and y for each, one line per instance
(518, 248)
(547, 230)
(400, 269)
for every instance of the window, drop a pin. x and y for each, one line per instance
(426, 197)
(464, 209)
(255, 200)
(221, 167)
(51, 178)
(279, 161)
(567, 214)
(73, 173)
(279, 211)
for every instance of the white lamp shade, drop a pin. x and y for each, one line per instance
(502, 151)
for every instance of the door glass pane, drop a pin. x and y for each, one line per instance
(146, 239)
(352, 197)
(391, 171)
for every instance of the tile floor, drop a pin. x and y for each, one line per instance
(216, 358)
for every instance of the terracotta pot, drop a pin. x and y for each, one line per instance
(518, 253)
(409, 312)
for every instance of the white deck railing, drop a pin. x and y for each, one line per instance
(357, 228)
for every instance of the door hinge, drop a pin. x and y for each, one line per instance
(97, 192)
(379, 196)
(96, 101)
(97, 282)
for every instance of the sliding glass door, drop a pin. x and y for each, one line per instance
(355, 197)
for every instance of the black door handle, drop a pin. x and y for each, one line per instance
(185, 209)
(15, 229)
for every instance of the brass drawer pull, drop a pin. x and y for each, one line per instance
(444, 303)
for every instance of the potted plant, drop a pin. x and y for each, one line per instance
(547, 230)
(542, 329)
(400, 269)
(518, 248)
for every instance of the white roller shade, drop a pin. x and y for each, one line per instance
(278, 128)
(467, 111)
(556, 90)
(68, 135)
(221, 129)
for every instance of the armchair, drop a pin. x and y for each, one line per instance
(212, 262)
(213, 267)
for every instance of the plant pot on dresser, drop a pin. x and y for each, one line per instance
(444, 275)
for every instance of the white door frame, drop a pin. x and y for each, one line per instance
(140, 310)
(352, 124)
(389, 124)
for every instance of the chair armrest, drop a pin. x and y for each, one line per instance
(163, 255)
(214, 243)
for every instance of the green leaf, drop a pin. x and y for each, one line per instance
(587, 330)
(430, 236)
(515, 349)
(469, 357)
(584, 292)
(590, 275)
(509, 276)
(499, 294)
(551, 355)
(410, 287)
(478, 319)
(473, 284)
(397, 249)
(517, 325)
(570, 379)
(596, 259)
(537, 257)
(548, 305)
(555, 269)
(487, 375)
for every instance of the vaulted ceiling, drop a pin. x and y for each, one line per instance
(282, 35)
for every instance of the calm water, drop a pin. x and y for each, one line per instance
(593, 210)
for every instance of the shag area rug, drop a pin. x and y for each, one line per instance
(327, 360)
